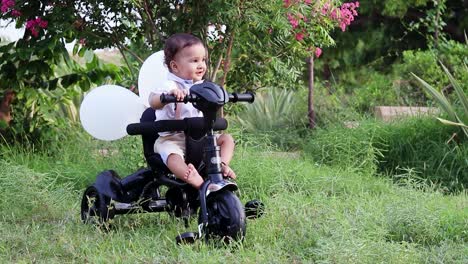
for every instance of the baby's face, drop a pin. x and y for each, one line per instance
(190, 63)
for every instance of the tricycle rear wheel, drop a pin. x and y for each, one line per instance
(95, 207)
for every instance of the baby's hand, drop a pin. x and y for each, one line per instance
(179, 94)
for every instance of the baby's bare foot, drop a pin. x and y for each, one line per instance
(192, 177)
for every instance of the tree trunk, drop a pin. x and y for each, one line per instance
(311, 112)
(227, 61)
(5, 108)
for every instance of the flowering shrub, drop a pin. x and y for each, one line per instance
(344, 15)
(36, 24)
(6, 5)
(309, 19)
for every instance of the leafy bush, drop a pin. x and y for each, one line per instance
(364, 87)
(274, 116)
(420, 145)
(377, 89)
(425, 146)
(425, 65)
(42, 113)
(349, 149)
(331, 105)
(457, 118)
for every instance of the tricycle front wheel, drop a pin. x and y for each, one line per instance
(226, 216)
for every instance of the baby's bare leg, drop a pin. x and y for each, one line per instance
(185, 172)
(226, 143)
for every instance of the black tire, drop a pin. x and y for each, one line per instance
(95, 207)
(226, 216)
(254, 209)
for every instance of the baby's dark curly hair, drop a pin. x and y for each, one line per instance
(176, 43)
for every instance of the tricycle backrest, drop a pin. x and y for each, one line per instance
(149, 115)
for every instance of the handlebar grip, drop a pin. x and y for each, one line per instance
(167, 98)
(135, 129)
(138, 128)
(244, 97)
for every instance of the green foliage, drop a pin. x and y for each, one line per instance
(399, 8)
(377, 39)
(424, 64)
(274, 115)
(419, 145)
(233, 32)
(456, 118)
(44, 112)
(314, 214)
(425, 146)
(375, 89)
(270, 111)
(266, 53)
(351, 149)
(364, 87)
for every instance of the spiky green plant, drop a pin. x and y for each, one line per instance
(456, 118)
(271, 110)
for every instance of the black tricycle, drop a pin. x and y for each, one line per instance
(155, 189)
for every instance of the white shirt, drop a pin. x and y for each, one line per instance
(168, 111)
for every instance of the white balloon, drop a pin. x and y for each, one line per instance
(153, 74)
(107, 110)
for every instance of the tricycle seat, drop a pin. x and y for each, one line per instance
(194, 129)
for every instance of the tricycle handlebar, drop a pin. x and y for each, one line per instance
(233, 98)
(241, 97)
(193, 123)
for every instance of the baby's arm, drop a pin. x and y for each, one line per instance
(155, 98)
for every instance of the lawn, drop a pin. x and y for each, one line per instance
(315, 214)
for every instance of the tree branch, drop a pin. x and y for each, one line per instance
(227, 62)
(216, 69)
(152, 23)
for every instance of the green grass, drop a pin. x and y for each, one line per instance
(433, 152)
(315, 213)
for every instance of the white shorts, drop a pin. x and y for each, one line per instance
(171, 144)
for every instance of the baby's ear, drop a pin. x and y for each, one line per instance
(173, 66)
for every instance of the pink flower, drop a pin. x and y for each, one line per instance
(30, 24)
(6, 5)
(318, 52)
(345, 14)
(325, 8)
(34, 32)
(299, 36)
(293, 21)
(334, 14)
(34, 25)
(308, 2)
(42, 23)
(15, 13)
